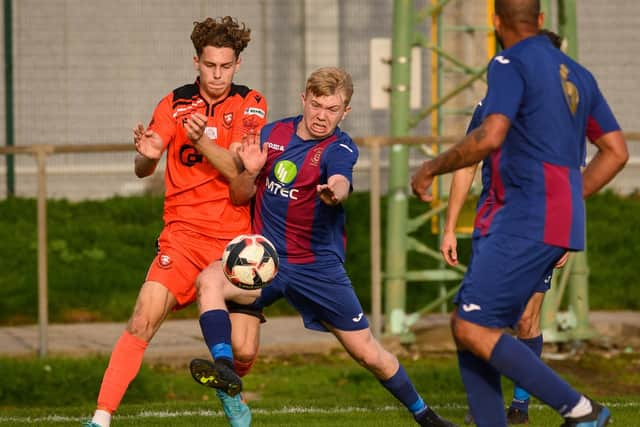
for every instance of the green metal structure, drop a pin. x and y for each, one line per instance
(399, 228)
(556, 326)
(8, 88)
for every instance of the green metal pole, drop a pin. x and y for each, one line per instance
(548, 321)
(568, 25)
(397, 207)
(442, 289)
(8, 97)
(545, 6)
(549, 311)
(579, 279)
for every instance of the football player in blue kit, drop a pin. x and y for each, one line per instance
(300, 171)
(533, 124)
(528, 328)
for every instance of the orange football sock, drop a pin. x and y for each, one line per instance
(124, 365)
(243, 368)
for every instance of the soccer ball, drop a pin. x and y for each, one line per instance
(250, 261)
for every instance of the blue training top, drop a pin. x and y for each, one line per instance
(534, 181)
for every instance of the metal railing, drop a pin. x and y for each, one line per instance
(374, 144)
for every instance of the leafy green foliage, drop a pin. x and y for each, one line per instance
(99, 252)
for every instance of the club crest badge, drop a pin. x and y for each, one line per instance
(164, 260)
(227, 119)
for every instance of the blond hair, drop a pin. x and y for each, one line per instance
(328, 81)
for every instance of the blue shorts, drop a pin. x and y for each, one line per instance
(321, 292)
(504, 272)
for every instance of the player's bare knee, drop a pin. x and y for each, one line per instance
(208, 280)
(528, 329)
(370, 355)
(366, 359)
(140, 326)
(462, 334)
(246, 353)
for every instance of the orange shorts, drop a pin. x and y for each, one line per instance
(182, 255)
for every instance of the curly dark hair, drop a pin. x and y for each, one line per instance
(220, 32)
(556, 40)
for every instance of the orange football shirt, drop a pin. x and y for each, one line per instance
(197, 195)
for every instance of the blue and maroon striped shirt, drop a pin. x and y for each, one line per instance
(532, 185)
(288, 210)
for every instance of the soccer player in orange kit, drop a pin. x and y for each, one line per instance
(199, 126)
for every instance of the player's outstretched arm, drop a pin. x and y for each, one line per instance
(475, 146)
(149, 146)
(219, 157)
(253, 157)
(335, 191)
(611, 157)
(460, 186)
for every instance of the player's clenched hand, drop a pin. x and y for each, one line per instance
(147, 142)
(194, 127)
(449, 247)
(420, 183)
(253, 156)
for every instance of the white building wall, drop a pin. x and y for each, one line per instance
(86, 71)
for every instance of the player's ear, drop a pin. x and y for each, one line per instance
(346, 111)
(196, 62)
(238, 61)
(496, 22)
(540, 20)
(303, 99)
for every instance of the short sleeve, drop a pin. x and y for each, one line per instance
(505, 88)
(601, 119)
(341, 157)
(476, 118)
(162, 121)
(253, 116)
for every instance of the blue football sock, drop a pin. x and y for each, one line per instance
(521, 396)
(484, 391)
(216, 330)
(401, 387)
(514, 360)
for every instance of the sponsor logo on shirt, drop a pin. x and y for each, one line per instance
(357, 318)
(252, 111)
(274, 146)
(280, 190)
(211, 132)
(251, 123)
(187, 110)
(285, 171)
(189, 156)
(501, 59)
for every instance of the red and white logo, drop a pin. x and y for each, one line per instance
(227, 119)
(164, 260)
